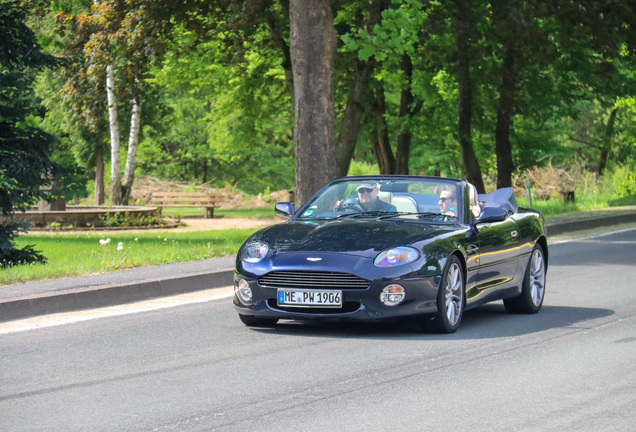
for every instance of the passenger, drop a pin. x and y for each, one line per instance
(368, 199)
(448, 201)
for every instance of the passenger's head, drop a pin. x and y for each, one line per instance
(448, 201)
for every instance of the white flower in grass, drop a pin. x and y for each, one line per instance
(120, 247)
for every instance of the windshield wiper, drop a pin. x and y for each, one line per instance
(367, 213)
(418, 214)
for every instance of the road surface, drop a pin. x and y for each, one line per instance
(194, 367)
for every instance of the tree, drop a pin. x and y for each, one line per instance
(25, 164)
(313, 47)
(462, 23)
(114, 45)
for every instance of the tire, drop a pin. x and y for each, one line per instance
(533, 287)
(450, 298)
(252, 321)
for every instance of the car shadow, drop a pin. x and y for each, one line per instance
(490, 321)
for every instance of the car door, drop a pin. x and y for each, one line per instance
(497, 260)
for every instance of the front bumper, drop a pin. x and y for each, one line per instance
(358, 304)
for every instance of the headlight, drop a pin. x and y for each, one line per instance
(396, 256)
(254, 252)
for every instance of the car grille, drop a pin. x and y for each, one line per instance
(312, 280)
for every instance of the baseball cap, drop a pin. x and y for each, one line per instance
(367, 186)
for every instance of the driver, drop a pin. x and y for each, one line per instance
(368, 199)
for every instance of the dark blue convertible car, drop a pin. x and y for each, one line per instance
(393, 247)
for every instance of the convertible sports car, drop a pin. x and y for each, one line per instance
(427, 250)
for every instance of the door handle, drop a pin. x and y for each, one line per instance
(471, 249)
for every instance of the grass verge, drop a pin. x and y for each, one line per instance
(85, 253)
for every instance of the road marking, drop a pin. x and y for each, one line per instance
(580, 237)
(52, 320)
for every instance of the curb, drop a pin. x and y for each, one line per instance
(111, 295)
(558, 228)
(88, 295)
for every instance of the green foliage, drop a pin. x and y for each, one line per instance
(25, 150)
(228, 123)
(362, 168)
(217, 108)
(127, 219)
(622, 180)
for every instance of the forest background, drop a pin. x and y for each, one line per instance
(205, 91)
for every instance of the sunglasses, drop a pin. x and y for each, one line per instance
(442, 199)
(365, 190)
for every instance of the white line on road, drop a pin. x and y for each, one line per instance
(125, 309)
(585, 235)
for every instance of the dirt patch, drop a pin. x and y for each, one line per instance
(230, 197)
(186, 225)
(224, 224)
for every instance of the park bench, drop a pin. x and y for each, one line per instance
(187, 199)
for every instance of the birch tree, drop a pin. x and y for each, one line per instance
(117, 42)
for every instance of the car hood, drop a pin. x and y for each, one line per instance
(359, 237)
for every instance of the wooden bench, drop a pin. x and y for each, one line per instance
(187, 199)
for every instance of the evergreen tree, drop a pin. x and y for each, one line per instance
(25, 150)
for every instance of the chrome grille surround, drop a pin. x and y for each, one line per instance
(312, 280)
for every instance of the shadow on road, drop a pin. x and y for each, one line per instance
(486, 322)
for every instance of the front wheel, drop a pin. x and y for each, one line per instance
(533, 288)
(252, 321)
(450, 298)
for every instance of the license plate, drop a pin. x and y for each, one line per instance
(309, 298)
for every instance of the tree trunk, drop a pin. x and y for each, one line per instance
(470, 164)
(607, 141)
(115, 162)
(133, 143)
(381, 147)
(276, 33)
(353, 113)
(313, 46)
(406, 113)
(505, 113)
(99, 178)
(357, 96)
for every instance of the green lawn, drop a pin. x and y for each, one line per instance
(83, 253)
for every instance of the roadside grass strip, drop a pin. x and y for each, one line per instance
(85, 253)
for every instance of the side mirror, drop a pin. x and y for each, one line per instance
(492, 214)
(285, 209)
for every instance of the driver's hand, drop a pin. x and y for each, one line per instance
(338, 205)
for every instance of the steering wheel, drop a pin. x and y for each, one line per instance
(351, 206)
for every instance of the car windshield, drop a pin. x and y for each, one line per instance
(386, 198)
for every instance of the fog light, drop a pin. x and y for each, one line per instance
(393, 295)
(243, 291)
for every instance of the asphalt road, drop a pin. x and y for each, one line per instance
(196, 368)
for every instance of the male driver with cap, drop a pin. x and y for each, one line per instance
(368, 199)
